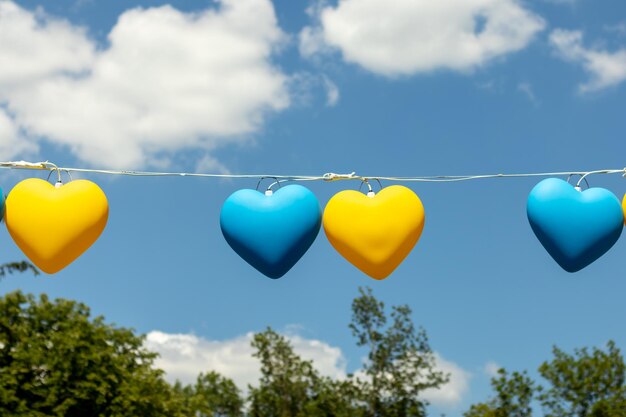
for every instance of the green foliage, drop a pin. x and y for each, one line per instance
(286, 379)
(584, 383)
(513, 396)
(400, 365)
(335, 398)
(211, 395)
(484, 410)
(56, 361)
(12, 267)
(291, 387)
(613, 407)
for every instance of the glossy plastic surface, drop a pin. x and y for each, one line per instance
(271, 232)
(575, 227)
(376, 233)
(54, 226)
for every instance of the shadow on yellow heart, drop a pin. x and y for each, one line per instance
(54, 226)
(376, 233)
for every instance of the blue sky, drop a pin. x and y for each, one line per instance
(283, 87)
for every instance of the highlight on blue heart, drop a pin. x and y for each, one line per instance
(575, 227)
(271, 232)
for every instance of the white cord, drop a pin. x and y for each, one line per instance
(328, 177)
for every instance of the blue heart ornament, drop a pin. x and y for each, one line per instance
(271, 232)
(575, 227)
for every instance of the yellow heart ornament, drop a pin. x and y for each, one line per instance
(624, 208)
(374, 232)
(54, 225)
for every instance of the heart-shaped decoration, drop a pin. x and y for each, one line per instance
(271, 231)
(1, 205)
(54, 226)
(374, 232)
(624, 208)
(575, 227)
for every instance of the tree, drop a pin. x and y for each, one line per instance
(400, 365)
(57, 361)
(513, 396)
(286, 380)
(211, 395)
(584, 383)
(336, 398)
(609, 408)
(12, 267)
(292, 387)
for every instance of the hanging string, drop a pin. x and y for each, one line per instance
(328, 177)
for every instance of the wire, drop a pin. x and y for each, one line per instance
(328, 177)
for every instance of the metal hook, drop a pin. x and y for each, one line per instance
(58, 171)
(582, 178)
(261, 179)
(366, 182)
(277, 182)
(69, 174)
(52, 168)
(370, 191)
(269, 189)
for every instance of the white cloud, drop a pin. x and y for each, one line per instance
(33, 46)
(606, 68)
(311, 42)
(184, 356)
(450, 394)
(405, 37)
(328, 360)
(12, 142)
(167, 81)
(332, 92)
(491, 368)
(304, 87)
(527, 90)
(209, 164)
(619, 28)
(493, 86)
